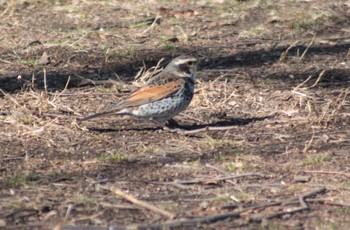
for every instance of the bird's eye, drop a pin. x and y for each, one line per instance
(190, 63)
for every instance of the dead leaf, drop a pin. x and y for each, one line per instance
(44, 59)
(102, 36)
(185, 14)
(212, 25)
(173, 39)
(274, 19)
(176, 13)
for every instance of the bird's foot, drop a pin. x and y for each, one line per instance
(172, 124)
(173, 127)
(174, 130)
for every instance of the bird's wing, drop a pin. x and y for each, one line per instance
(150, 94)
(146, 94)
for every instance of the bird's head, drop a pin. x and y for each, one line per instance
(184, 66)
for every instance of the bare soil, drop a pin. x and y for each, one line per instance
(267, 142)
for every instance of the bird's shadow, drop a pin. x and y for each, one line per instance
(225, 122)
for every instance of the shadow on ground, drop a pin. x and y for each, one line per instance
(225, 122)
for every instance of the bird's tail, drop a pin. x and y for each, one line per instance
(106, 112)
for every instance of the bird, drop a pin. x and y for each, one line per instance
(161, 98)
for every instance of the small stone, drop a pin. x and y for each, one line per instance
(204, 205)
(300, 178)
(2, 223)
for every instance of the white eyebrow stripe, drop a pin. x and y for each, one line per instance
(182, 61)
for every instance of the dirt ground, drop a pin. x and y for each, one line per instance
(267, 138)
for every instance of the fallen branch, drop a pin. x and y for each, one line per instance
(189, 223)
(146, 21)
(169, 224)
(329, 172)
(329, 202)
(301, 201)
(143, 204)
(218, 217)
(196, 181)
(229, 215)
(208, 128)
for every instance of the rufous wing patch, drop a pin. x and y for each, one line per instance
(152, 93)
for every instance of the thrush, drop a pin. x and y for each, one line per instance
(165, 95)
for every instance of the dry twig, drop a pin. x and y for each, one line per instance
(45, 83)
(300, 199)
(319, 78)
(285, 53)
(329, 172)
(155, 21)
(308, 145)
(307, 48)
(208, 128)
(188, 223)
(143, 204)
(196, 181)
(224, 216)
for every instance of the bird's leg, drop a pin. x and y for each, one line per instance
(173, 127)
(172, 124)
(157, 122)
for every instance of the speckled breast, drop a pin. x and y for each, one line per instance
(168, 107)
